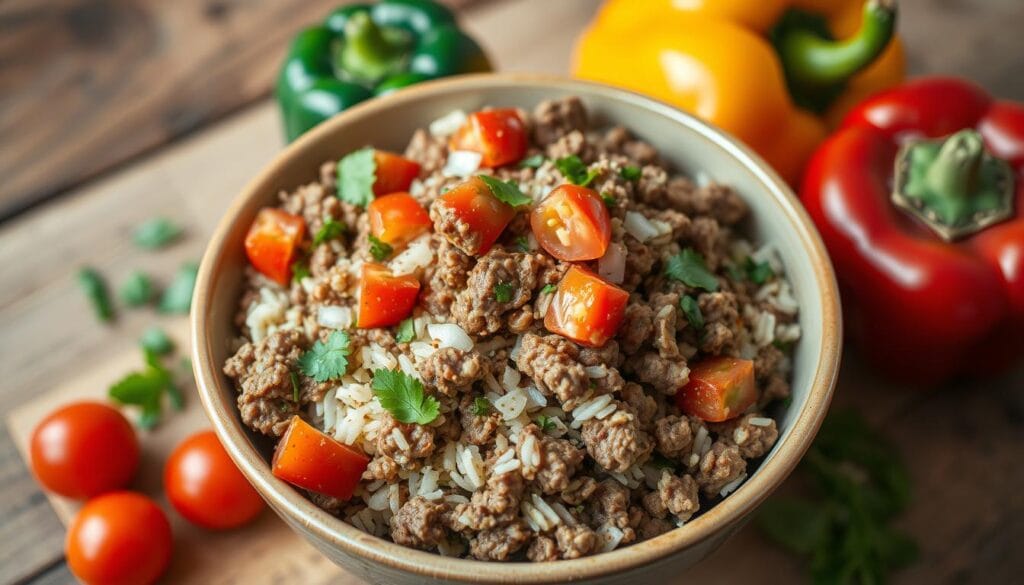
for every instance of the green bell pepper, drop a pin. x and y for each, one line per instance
(364, 50)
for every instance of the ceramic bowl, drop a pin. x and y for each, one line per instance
(688, 144)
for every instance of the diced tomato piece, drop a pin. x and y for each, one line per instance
(385, 299)
(720, 388)
(397, 219)
(572, 224)
(394, 173)
(472, 203)
(499, 135)
(272, 241)
(309, 459)
(585, 308)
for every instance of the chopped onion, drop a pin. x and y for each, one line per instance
(417, 255)
(462, 163)
(639, 226)
(450, 335)
(612, 266)
(334, 317)
(447, 124)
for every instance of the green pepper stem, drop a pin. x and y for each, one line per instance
(955, 170)
(812, 60)
(370, 53)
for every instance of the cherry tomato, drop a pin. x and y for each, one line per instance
(397, 219)
(473, 203)
(385, 299)
(83, 450)
(585, 308)
(309, 459)
(499, 135)
(572, 224)
(271, 243)
(120, 538)
(204, 485)
(720, 388)
(394, 173)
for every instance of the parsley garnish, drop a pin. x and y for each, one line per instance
(548, 288)
(403, 396)
(379, 249)
(326, 360)
(758, 272)
(300, 270)
(406, 331)
(523, 244)
(630, 172)
(503, 292)
(691, 309)
(506, 191)
(95, 288)
(546, 423)
(861, 485)
(609, 200)
(481, 406)
(688, 268)
(532, 162)
(573, 169)
(156, 233)
(295, 386)
(146, 389)
(357, 173)
(177, 298)
(156, 341)
(137, 290)
(331, 230)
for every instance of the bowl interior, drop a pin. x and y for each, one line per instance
(689, 145)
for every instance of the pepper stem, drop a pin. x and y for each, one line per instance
(811, 59)
(955, 169)
(370, 52)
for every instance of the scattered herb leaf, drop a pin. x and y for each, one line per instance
(177, 298)
(156, 341)
(523, 244)
(546, 423)
(379, 249)
(609, 200)
(331, 230)
(688, 268)
(662, 462)
(548, 289)
(691, 309)
(630, 172)
(300, 270)
(481, 406)
(137, 290)
(403, 396)
(575, 171)
(736, 272)
(295, 386)
(506, 191)
(406, 331)
(357, 172)
(326, 360)
(532, 162)
(758, 272)
(156, 233)
(146, 389)
(95, 288)
(503, 292)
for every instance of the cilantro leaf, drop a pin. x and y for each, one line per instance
(506, 191)
(146, 389)
(379, 249)
(156, 233)
(326, 360)
(575, 171)
(481, 406)
(331, 230)
(155, 341)
(548, 288)
(691, 309)
(403, 396)
(758, 272)
(295, 386)
(609, 200)
(300, 270)
(177, 298)
(95, 288)
(688, 268)
(503, 292)
(546, 423)
(137, 290)
(357, 172)
(630, 172)
(406, 331)
(522, 244)
(532, 162)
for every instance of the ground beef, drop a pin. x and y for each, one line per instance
(419, 439)
(579, 490)
(665, 375)
(559, 461)
(477, 429)
(651, 527)
(428, 150)
(382, 467)
(752, 440)
(541, 549)
(419, 523)
(721, 465)
(477, 308)
(673, 436)
(553, 119)
(616, 442)
(498, 544)
(450, 370)
(665, 332)
(495, 505)
(576, 541)
(456, 230)
(610, 507)
(637, 327)
(643, 406)
(676, 495)
(640, 259)
(551, 362)
(446, 277)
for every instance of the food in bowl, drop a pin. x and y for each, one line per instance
(525, 338)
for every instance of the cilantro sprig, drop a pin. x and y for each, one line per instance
(504, 291)
(506, 191)
(379, 249)
(137, 289)
(156, 341)
(403, 396)
(330, 230)
(546, 423)
(630, 173)
(326, 360)
(156, 233)
(406, 331)
(575, 170)
(688, 267)
(480, 407)
(691, 310)
(522, 243)
(548, 289)
(177, 297)
(95, 288)
(147, 389)
(357, 172)
(532, 162)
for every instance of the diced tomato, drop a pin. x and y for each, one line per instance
(585, 308)
(309, 459)
(572, 224)
(499, 135)
(397, 219)
(473, 204)
(385, 299)
(720, 388)
(272, 241)
(394, 173)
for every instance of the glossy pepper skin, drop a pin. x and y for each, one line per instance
(923, 308)
(759, 69)
(363, 50)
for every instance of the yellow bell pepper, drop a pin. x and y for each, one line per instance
(770, 72)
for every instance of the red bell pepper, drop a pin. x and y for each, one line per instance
(919, 197)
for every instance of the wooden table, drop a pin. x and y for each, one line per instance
(112, 113)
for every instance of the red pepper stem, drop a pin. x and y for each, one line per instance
(370, 52)
(954, 172)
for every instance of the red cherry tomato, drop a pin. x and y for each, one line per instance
(720, 388)
(271, 243)
(394, 173)
(385, 299)
(572, 224)
(309, 459)
(120, 538)
(204, 485)
(499, 135)
(473, 203)
(397, 219)
(83, 450)
(585, 308)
